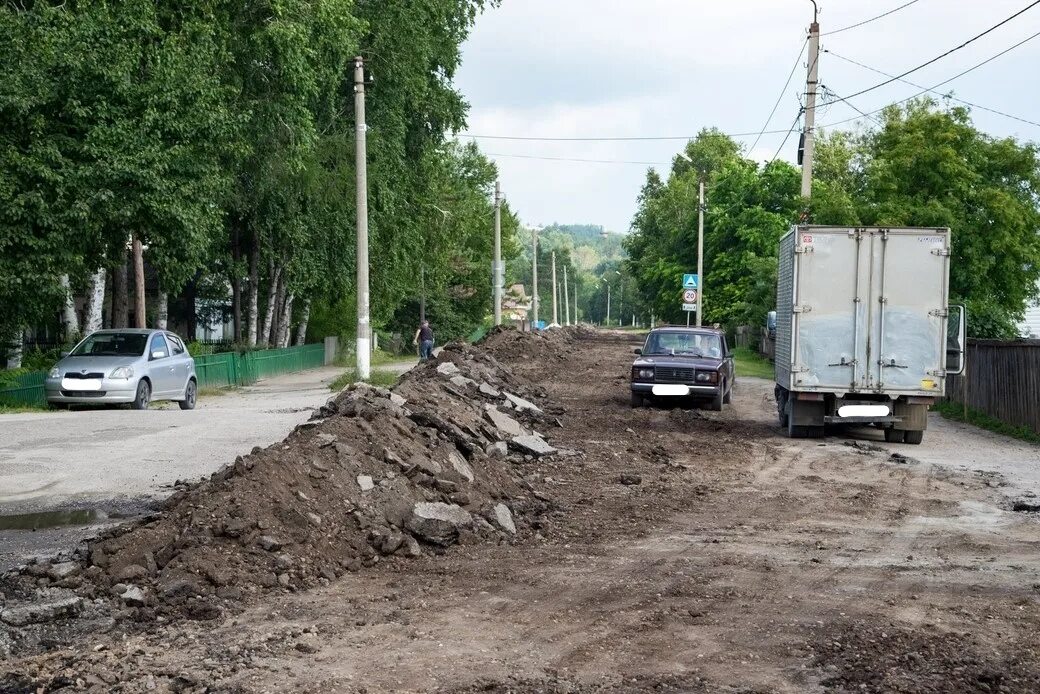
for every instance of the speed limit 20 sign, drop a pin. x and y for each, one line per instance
(689, 296)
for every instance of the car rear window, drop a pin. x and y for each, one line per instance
(111, 345)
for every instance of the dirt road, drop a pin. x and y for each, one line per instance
(687, 551)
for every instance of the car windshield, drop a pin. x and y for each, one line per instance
(695, 344)
(112, 345)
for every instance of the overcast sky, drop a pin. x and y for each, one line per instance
(618, 68)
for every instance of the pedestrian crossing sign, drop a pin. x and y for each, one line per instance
(690, 281)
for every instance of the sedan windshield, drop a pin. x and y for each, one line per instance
(692, 344)
(112, 345)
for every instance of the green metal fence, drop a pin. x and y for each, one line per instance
(213, 370)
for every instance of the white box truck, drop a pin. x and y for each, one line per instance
(864, 331)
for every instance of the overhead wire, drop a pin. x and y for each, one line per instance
(607, 139)
(928, 89)
(943, 55)
(588, 161)
(783, 91)
(960, 74)
(868, 21)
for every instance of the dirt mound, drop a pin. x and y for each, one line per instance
(539, 346)
(374, 474)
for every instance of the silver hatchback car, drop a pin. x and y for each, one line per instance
(132, 366)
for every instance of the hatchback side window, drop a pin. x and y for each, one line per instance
(158, 349)
(175, 345)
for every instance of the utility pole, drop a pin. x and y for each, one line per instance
(496, 270)
(566, 299)
(607, 323)
(555, 315)
(810, 106)
(534, 275)
(364, 329)
(700, 256)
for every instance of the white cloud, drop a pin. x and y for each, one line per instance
(571, 68)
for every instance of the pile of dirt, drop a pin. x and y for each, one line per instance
(374, 474)
(543, 347)
(867, 657)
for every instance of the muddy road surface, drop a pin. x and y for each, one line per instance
(686, 551)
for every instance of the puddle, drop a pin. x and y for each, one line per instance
(52, 519)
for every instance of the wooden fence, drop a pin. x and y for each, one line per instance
(1001, 379)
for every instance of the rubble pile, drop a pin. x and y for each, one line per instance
(541, 346)
(374, 474)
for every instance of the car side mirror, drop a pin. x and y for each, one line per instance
(65, 353)
(158, 354)
(638, 350)
(729, 355)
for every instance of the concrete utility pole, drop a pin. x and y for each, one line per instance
(555, 315)
(810, 106)
(607, 322)
(566, 299)
(534, 275)
(364, 329)
(496, 270)
(700, 256)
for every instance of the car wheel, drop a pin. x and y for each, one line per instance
(914, 438)
(191, 392)
(144, 395)
(637, 399)
(728, 397)
(895, 435)
(716, 402)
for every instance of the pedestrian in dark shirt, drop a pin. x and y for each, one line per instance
(424, 338)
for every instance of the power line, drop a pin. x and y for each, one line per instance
(838, 97)
(783, 91)
(611, 139)
(587, 161)
(791, 130)
(868, 21)
(948, 96)
(940, 57)
(944, 82)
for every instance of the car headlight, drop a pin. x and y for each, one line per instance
(122, 372)
(54, 373)
(644, 374)
(707, 377)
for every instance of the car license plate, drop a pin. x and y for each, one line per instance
(81, 384)
(670, 389)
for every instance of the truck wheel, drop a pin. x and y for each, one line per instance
(637, 399)
(716, 402)
(894, 435)
(781, 406)
(915, 437)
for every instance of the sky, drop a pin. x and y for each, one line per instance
(667, 68)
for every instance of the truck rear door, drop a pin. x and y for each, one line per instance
(907, 307)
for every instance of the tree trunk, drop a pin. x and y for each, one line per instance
(285, 327)
(139, 318)
(192, 318)
(236, 284)
(276, 322)
(120, 308)
(254, 290)
(69, 320)
(305, 316)
(162, 310)
(272, 295)
(14, 350)
(95, 302)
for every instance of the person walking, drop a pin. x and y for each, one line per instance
(424, 339)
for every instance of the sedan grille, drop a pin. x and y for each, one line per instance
(74, 375)
(673, 375)
(83, 393)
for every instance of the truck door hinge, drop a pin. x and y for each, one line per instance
(941, 251)
(803, 249)
(941, 373)
(844, 362)
(939, 313)
(798, 308)
(882, 299)
(884, 234)
(799, 369)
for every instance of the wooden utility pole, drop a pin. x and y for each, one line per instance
(139, 319)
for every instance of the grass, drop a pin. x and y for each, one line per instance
(215, 391)
(22, 409)
(955, 411)
(379, 358)
(751, 363)
(378, 378)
